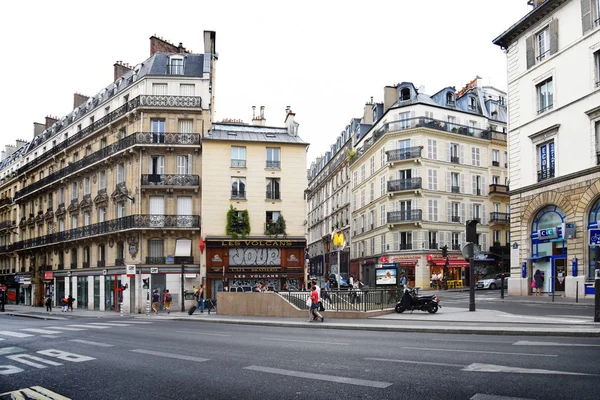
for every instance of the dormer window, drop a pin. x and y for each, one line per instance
(472, 104)
(176, 65)
(449, 99)
(404, 94)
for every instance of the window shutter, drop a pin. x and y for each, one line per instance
(415, 240)
(473, 156)
(435, 150)
(190, 164)
(470, 211)
(425, 239)
(474, 183)
(463, 239)
(396, 240)
(484, 242)
(462, 213)
(161, 165)
(586, 15)
(430, 180)
(553, 27)
(529, 45)
(448, 151)
(462, 154)
(449, 211)
(462, 183)
(483, 215)
(414, 172)
(483, 186)
(429, 150)
(448, 182)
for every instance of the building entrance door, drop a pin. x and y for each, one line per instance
(159, 283)
(560, 272)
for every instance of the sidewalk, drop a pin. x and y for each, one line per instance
(450, 320)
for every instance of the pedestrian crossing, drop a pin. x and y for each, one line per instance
(51, 331)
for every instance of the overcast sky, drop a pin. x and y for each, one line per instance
(323, 58)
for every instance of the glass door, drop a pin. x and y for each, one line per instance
(96, 293)
(560, 269)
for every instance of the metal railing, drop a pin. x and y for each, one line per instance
(455, 218)
(238, 163)
(119, 261)
(545, 174)
(495, 163)
(404, 154)
(138, 138)
(433, 246)
(170, 180)
(156, 260)
(273, 195)
(499, 217)
(397, 185)
(455, 159)
(360, 300)
(273, 164)
(404, 216)
(455, 246)
(6, 201)
(455, 189)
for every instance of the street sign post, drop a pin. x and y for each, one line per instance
(471, 233)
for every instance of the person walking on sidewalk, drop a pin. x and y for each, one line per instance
(538, 278)
(49, 303)
(314, 307)
(168, 299)
(70, 301)
(200, 298)
(155, 300)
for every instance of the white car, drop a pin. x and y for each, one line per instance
(492, 282)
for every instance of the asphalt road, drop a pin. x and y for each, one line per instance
(87, 358)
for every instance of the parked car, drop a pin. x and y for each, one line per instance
(492, 282)
(344, 281)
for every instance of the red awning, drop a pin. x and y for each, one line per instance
(452, 263)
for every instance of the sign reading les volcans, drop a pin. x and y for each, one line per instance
(255, 243)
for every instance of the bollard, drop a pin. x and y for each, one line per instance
(121, 306)
(147, 307)
(577, 292)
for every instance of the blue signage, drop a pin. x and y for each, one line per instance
(551, 154)
(388, 265)
(543, 157)
(594, 237)
(549, 233)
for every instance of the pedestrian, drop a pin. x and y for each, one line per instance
(155, 300)
(433, 280)
(538, 278)
(63, 304)
(265, 288)
(49, 303)
(285, 287)
(314, 307)
(168, 299)
(70, 301)
(200, 299)
(325, 292)
(402, 280)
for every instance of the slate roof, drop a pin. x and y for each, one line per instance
(252, 133)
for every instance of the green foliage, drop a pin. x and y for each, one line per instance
(235, 225)
(276, 228)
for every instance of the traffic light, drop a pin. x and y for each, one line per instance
(146, 283)
(445, 251)
(472, 231)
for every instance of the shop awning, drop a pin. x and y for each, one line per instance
(183, 248)
(452, 263)
(536, 258)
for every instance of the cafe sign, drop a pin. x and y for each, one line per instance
(254, 269)
(256, 243)
(258, 276)
(217, 259)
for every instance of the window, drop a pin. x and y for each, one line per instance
(61, 225)
(477, 211)
(476, 181)
(355, 178)
(157, 126)
(75, 157)
(101, 180)
(273, 189)
(472, 103)
(120, 209)
(455, 182)
(433, 210)
(238, 157)
(362, 198)
(187, 89)
(495, 180)
(157, 166)
(86, 186)
(185, 126)
(546, 160)
(449, 99)
(159, 89)
(496, 236)
(101, 214)
(433, 243)
(61, 196)
(155, 251)
(363, 174)
(86, 218)
(74, 193)
(273, 158)
(472, 126)
(382, 187)
(405, 94)
(475, 156)
(184, 165)
(496, 158)
(382, 214)
(597, 66)
(454, 153)
(506, 159)
(542, 43)
(372, 191)
(433, 182)
(120, 173)
(238, 188)
(405, 241)
(545, 96)
(451, 122)
(455, 212)
(73, 221)
(455, 241)
(404, 120)
(432, 149)
(383, 244)
(372, 165)
(176, 67)
(507, 238)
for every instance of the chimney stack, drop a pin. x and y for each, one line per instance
(38, 128)
(79, 99)
(290, 123)
(120, 69)
(50, 121)
(160, 45)
(253, 112)
(262, 112)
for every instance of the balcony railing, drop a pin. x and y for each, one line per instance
(455, 218)
(455, 246)
(498, 189)
(495, 163)
(170, 180)
(405, 246)
(6, 201)
(60, 266)
(139, 101)
(73, 265)
(273, 195)
(156, 260)
(397, 185)
(100, 264)
(183, 260)
(238, 163)
(404, 216)
(455, 189)
(86, 264)
(138, 221)
(138, 138)
(433, 246)
(273, 164)
(404, 154)
(545, 174)
(499, 217)
(238, 194)
(455, 159)
(119, 261)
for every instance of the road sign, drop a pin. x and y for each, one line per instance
(471, 250)
(130, 271)
(154, 270)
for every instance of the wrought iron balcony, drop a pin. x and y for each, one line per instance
(119, 261)
(60, 266)
(455, 246)
(170, 180)
(433, 246)
(183, 260)
(404, 154)
(405, 246)
(397, 185)
(499, 217)
(495, 163)
(139, 138)
(237, 194)
(455, 189)
(73, 265)
(238, 163)
(6, 201)
(156, 260)
(273, 164)
(498, 189)
(455, 218)
(100, 264)
(137, 102)
(86, 264)
(545, 174)
(455, 159)
(395, 217)
(138, 221)
(273, 195)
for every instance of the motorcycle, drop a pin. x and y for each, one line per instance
(412, 301)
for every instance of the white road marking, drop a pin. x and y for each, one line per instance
(203, 333)
(470, 341)
(169, 355)
(304, 341)
(320, 377)
(9, 350)
(2, 338)
(66, 328)
(23, 359)
(43, 331)
(571, 316)
(91, 343)
(9, 370)
(482, 352)
(501, 368)
(106, 324)
(133, 322)
(484, 396)
(35, 392)
(557, 344)
(15, 334)
(416, 362)
(50, 336)
(89, 326)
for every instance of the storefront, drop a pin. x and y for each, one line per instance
(406, 264)
(239, 265)
(457, 270)
(549, 248)
(593, 236)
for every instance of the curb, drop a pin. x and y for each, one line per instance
(36, 316)
(418, 329)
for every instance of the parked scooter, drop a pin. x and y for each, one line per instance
(412, 301)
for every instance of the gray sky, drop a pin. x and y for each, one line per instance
(323, 58)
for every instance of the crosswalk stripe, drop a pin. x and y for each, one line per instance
(91, 343)
(132, 322)
(65, 328)
(89, 326)
(15, 334)
(169, 355)
(42, 331)
(106, 324)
